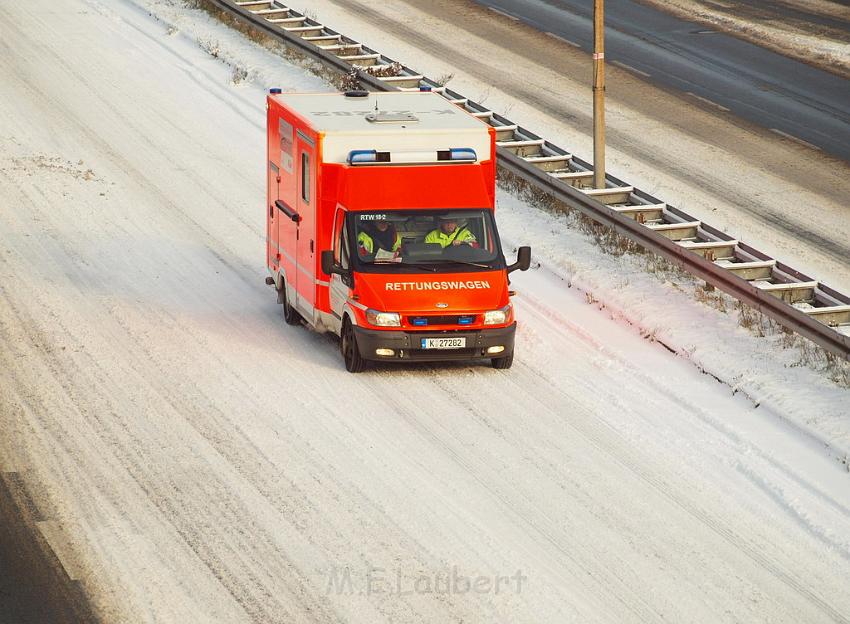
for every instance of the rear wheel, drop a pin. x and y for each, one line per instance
(289, 314)
(503, 362)
(354, 363)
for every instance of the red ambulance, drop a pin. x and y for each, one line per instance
(381, 228)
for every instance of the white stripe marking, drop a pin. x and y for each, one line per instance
(630, 68)
(795, 139)
(709, 102)
(503, 14)
(560, 38)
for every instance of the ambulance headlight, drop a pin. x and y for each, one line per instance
(383, 319)
(497, 317)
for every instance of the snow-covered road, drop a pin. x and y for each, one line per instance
(197, 460)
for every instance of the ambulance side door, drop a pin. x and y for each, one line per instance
(305, 274)
(340, 286)
(271, 223)
(284, 188)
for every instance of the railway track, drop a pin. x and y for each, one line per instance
(796, 301)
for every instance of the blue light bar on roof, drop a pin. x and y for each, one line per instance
(362, 157)
(464, 154)
(374, 157)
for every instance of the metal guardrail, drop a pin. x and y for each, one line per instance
(821, 314)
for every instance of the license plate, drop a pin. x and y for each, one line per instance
(444, 343)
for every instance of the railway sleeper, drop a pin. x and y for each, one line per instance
(403, 80)
(551, 162)
(523, 148)
(282, 21)
(343, 49)
(833, 316)
(790, 292)
(256, 6)
(419, 88)
(270, 14)
(611, 195)
(676, 231)
(576, 179)
(645, 213)
(361, 60)
(750, 271)
(505, 133)
(712, 250)
(323, 38)
(305, 31)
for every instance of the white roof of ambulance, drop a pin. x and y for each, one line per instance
(343, 120)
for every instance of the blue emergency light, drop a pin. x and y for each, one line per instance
(465, 154)
(371, 157)
(363, 157)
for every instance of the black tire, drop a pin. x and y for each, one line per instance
(503, 362)
(290, 316)
(354, 362)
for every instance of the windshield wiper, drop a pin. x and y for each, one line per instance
(466, 262)
(420, 265)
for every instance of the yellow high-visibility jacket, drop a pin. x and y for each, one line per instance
(368, 245)
(460, 234)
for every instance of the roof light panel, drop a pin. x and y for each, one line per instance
(374, 157)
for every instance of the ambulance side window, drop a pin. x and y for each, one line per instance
(343, 250)
(488, 238)
(341, 255)
(305, 177)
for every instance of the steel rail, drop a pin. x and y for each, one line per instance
(686, 241)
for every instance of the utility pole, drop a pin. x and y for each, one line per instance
(598, 94)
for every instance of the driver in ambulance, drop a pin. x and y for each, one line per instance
(448, 233)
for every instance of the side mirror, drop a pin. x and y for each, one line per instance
(329, 266)
(523, 260)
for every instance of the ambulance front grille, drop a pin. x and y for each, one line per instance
(445, 319)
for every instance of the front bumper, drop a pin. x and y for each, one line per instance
(406, 344)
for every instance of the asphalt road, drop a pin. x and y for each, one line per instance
(32, 591)
(773, 91)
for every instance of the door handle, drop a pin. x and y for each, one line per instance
(289, 212)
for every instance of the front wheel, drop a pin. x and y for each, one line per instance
(503, 362)
(290, 315)
(354, 362)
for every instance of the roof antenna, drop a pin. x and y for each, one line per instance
(376, 104)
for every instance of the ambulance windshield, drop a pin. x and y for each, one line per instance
(430, 240)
